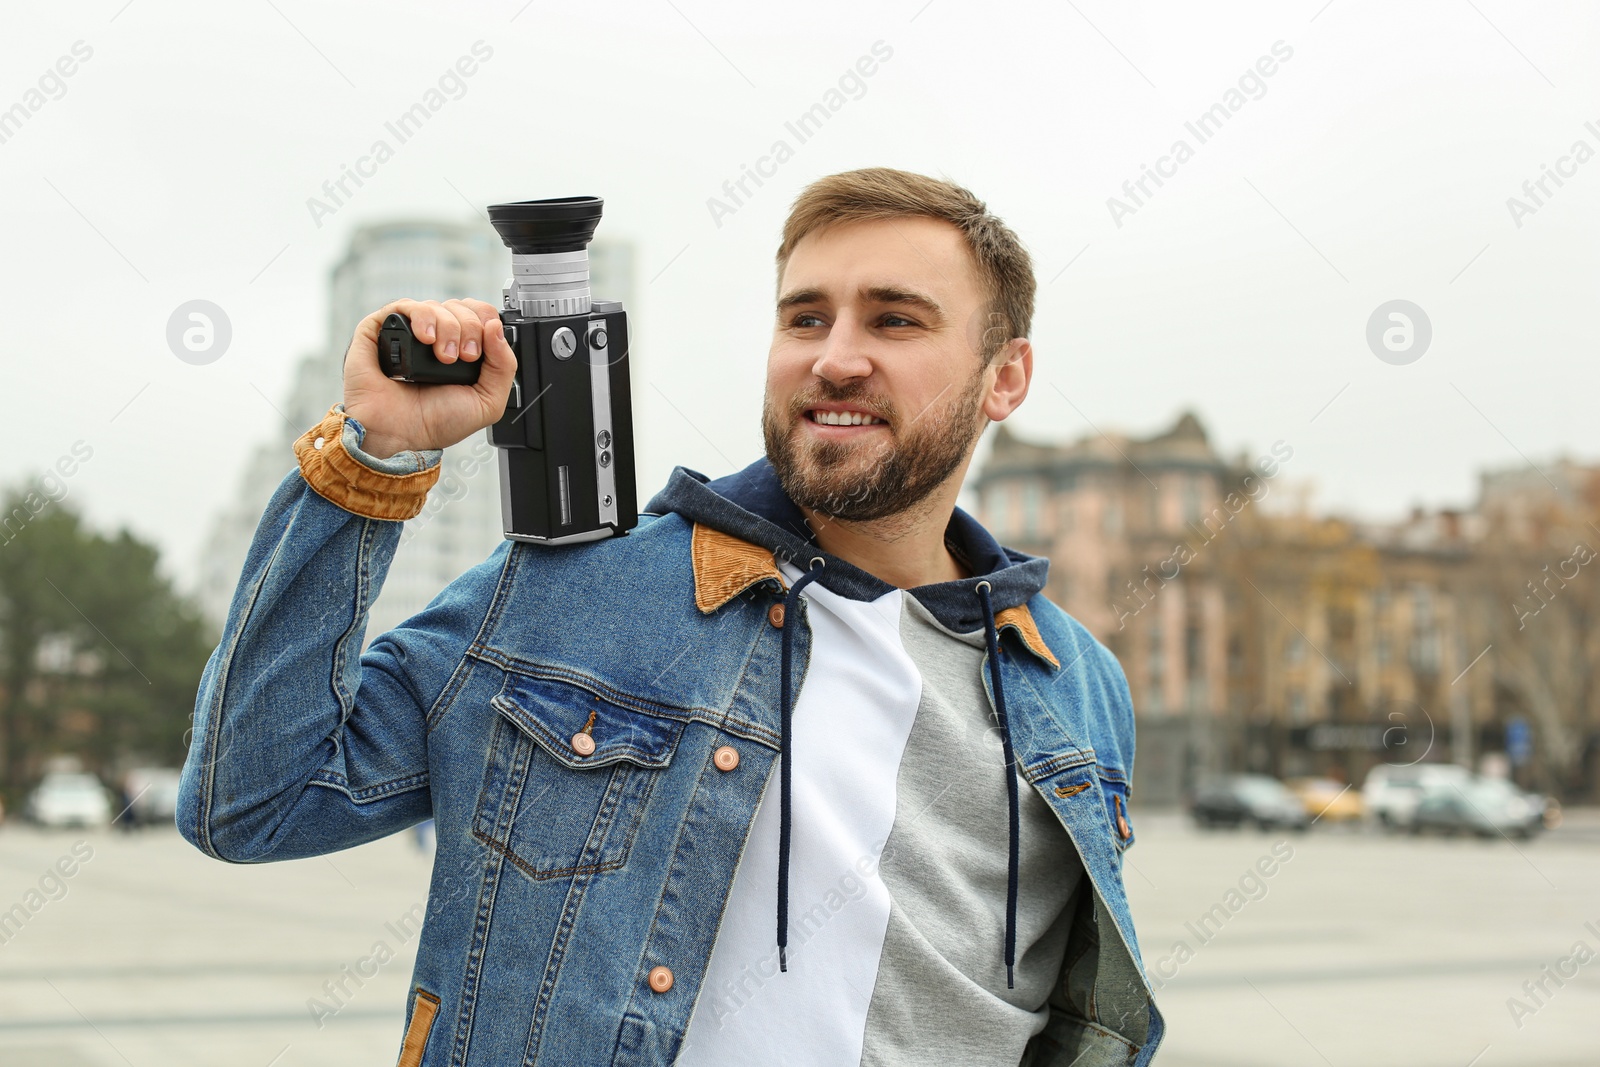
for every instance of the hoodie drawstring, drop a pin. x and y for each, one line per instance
(991, 638)
(791, 606)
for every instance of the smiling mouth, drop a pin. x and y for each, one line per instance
(843, 418)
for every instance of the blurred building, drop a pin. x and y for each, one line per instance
(1129, 526)
(1525, 505)
(461, 523)
(1260, 638)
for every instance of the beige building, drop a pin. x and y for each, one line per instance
(1132, 528)
(1282, 642)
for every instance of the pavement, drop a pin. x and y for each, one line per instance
(1323, 949)
(1363, 948)
(152, 954)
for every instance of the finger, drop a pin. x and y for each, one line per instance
(485, 311)
(446, 331)
(417, 312)
(471, 326)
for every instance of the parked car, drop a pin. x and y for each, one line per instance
(150, 795)
(69, 798)
(1484, 806)
(1327, 799)
(1254, 798)
(1390, 794)
(1551, 812)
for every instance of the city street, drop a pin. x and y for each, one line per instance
(1356, 949)
(1363, 950)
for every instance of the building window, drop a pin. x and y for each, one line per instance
(1154, 660)
(1296, 651)
(992, 504)
(1297, 707)
(1112, 518)
(1425, 652)
(1422, 604)
(1032, 499)
(1191, 499)
(1194, 665)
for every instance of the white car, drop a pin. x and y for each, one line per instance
(70, 799)
(152, 794)
(1391, 793)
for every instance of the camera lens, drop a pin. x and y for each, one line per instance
(549, 242)
(537, 227)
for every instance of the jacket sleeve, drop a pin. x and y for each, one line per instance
(302, 744)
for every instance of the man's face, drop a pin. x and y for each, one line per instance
(875, 384)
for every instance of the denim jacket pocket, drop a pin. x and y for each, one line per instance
(569, 776)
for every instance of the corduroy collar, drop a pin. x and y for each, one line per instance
(750, 509)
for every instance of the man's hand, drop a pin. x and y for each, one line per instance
(399, 415)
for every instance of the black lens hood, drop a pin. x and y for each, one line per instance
(534, 227)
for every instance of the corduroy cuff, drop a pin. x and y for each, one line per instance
(341, 479)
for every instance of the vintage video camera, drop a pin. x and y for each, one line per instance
(565, 443)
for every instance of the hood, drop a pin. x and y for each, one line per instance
(752, 506)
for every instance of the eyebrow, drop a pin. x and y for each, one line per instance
(872, 294)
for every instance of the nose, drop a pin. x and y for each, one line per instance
(844, 354)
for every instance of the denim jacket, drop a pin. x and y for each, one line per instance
(577, 889)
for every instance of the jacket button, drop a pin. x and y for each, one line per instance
(582, 744)
(660, 979)
(775, 615)
(726, 758)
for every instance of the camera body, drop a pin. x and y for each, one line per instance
(565, 442)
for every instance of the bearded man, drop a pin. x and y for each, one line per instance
(805, 769)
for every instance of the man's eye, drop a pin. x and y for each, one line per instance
(897, 320)
(806, 318)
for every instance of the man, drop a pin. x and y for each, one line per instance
(805, 769)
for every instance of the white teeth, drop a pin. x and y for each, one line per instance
(843, 418)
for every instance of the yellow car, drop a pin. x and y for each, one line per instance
(1326, 799)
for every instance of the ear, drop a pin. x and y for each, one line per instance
(1009, 374)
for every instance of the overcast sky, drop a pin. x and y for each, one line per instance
(1374, 163)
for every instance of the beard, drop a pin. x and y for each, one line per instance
(884, 474)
